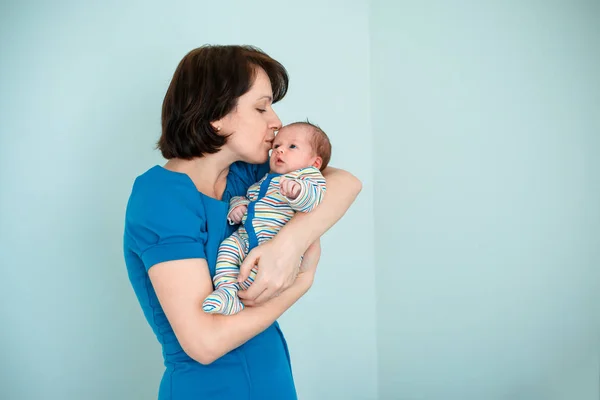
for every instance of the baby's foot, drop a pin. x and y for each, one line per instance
(223, 300)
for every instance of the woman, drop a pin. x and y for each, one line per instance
(217, 128)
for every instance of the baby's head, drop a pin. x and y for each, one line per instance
(300, 145)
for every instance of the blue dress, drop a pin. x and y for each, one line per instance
(168, 219)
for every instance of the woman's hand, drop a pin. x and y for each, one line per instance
(278, 266)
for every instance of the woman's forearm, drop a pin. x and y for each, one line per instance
(182, 285)
(304, 228)
(231, 331)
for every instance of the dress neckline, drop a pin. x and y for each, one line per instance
(187, 178)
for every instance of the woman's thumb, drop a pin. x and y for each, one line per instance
(249, 262)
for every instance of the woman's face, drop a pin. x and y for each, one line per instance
(252, 123)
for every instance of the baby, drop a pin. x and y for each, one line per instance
(294, 184)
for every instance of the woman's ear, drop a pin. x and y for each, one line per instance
(217, 125)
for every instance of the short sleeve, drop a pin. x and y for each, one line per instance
(165, 222)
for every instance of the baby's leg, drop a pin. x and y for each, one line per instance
(224, 299)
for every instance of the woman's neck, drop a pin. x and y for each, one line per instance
(208, 173)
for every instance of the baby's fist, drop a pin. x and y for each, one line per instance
(289, 188)
(237, 214)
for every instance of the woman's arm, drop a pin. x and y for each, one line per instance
(278, 258)
(181, 286)
(305, 228)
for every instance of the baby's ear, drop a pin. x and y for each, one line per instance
(317, 163)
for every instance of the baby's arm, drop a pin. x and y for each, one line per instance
(235, 214)
(312, 187)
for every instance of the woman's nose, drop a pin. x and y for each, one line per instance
(275, 124)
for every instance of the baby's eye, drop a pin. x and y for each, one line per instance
(275, 146)
(292, 146)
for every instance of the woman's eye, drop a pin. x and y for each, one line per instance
(261, 110)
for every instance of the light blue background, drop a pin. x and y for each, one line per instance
(474, 129)
(486, 122)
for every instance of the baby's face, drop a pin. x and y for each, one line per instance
(292, 150)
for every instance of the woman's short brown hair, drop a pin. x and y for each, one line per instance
(205, 87)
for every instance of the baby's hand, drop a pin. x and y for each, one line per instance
(237, 214)
(289, 188)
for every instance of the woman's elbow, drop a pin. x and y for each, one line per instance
(353, 183)
(201, 352)
(346, 179)
(205, 358)
(358, 184)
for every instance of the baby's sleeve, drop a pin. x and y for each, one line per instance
(312, 189)
(166, 225)
(236, 202)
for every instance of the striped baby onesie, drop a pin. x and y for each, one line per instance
(268, 211)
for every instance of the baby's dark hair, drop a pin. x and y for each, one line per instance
(320, 141)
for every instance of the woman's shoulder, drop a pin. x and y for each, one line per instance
(164, 212)
(161, 190)
(160, 179)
